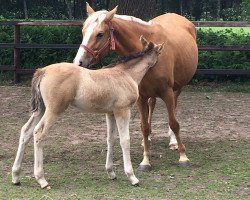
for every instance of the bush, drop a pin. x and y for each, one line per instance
(223, 59)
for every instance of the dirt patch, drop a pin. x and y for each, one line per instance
(202, 116)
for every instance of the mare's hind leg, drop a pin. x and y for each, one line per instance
(26, 134)
(173, 145)
(39, 133)
(122, 120)
(145, 129)
(111, 134)
(169, 99)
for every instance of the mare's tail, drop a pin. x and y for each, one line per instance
(37, 103)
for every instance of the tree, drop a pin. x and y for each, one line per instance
(144, 9)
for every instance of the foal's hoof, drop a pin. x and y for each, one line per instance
(47, 187)
(144, 168)
(136, 184)
(184, 164)
(17, 183)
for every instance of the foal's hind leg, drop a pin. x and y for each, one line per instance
(26, 134)
(169, 99)
(111, 134)
(122, 120)
(39, 133)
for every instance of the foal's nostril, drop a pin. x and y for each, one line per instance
(80, 63)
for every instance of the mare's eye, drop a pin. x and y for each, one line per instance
(99, 35)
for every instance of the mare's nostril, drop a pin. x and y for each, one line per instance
(80, 63)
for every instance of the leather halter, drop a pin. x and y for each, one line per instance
(110, 42)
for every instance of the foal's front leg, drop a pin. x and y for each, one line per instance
(122, 120)
(111, 134)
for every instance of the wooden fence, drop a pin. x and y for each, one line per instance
(17, 45)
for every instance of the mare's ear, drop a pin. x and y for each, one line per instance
(90, 10)
(110, 14)
(159, 47)
(143, 41)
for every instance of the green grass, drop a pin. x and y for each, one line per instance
(220, 171)
(218, 86)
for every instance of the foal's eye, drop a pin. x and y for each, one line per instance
(99, 35)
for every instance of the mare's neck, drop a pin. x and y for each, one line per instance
(128, 31)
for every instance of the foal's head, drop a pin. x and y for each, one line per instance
(97, 37)
(150, 51)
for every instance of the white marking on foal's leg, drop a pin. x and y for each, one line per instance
(81, 51)
(26, 134)
(173, 145)
(111, 134)
(122, 121)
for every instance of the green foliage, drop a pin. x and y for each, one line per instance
(222, 59)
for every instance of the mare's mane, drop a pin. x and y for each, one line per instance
(129, 57)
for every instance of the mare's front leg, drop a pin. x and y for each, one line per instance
(40, 130)
(122, 120)
(145, 128)
(111, 134)
(26, 134)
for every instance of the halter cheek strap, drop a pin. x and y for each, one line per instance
(110, 42)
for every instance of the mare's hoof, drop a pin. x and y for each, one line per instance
(185, 164)
(173, 147)
(144, 168)
(17, 183)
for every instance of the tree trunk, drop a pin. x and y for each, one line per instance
(218, 9)
(144, 9)
(25, 10)
(70, 9)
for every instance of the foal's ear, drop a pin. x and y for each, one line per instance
(90, 10)
(111, 14)
(159, 47)
(144, 42)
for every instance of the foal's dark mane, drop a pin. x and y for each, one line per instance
(132, 56)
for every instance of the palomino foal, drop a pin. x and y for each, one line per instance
(111, 90)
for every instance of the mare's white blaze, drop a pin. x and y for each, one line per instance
(81, 51)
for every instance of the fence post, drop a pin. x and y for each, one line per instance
(17, 60)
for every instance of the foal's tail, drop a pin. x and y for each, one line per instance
(37, 103)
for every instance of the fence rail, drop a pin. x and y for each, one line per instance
(17, 45)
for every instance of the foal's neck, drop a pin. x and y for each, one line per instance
(137, 68)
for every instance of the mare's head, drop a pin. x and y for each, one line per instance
(97, 37)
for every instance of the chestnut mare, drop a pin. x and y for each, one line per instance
(174, 69)
(112, 90)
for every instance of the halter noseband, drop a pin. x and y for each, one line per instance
(110, 41)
